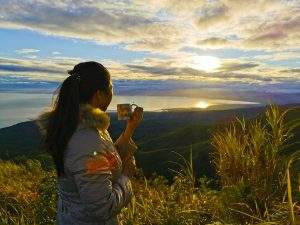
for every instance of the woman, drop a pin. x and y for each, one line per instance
(93, 171)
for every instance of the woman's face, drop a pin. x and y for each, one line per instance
(104, 98)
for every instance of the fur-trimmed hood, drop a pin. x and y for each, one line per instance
(93, 117)
(89, 116)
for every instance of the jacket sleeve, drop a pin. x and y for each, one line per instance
(125, 146)
(102, 198)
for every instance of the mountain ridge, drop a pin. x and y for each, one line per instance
(158, 135)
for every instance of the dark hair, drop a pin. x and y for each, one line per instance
(58, 125)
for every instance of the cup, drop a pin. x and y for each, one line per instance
(125, 110)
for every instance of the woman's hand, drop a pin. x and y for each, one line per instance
(129, 166)
(134, 120)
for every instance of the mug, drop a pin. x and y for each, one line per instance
(124, 110)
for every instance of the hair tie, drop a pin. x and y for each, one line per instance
(74, 74)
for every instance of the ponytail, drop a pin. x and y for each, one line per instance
(58, 125)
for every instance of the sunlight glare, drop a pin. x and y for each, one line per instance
(206, 63)
(202, 104)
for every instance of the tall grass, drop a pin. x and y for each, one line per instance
(28, 193)
(251, 161)
(294, 157)
(181, 203)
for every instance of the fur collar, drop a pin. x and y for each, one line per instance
(89, 116)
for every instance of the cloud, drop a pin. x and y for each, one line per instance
(49, 69)
(74, 20)
(30, 56)
(212, 16)
(296, 71)
(15, 68)
(17, 83)
(161, 26)
(226, 74)
(157, 37)
(27, 51)
(285, 31)
(154, 69)
(235, 66)
(213, 42)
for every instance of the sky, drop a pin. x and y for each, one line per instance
(161, 46)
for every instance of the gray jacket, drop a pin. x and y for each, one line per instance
(93, 190)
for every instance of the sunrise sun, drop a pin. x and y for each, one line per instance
(206, 63)
(202, 104)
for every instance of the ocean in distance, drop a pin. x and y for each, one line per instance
(18, 107)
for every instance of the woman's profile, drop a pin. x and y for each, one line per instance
(93, 172)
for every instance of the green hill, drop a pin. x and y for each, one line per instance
(159, 134)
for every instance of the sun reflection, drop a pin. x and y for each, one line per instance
(202, 104)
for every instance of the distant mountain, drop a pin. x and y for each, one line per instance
(158, 135)
(21, 138)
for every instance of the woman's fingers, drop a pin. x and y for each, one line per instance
(138, 113)
(136, 116)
